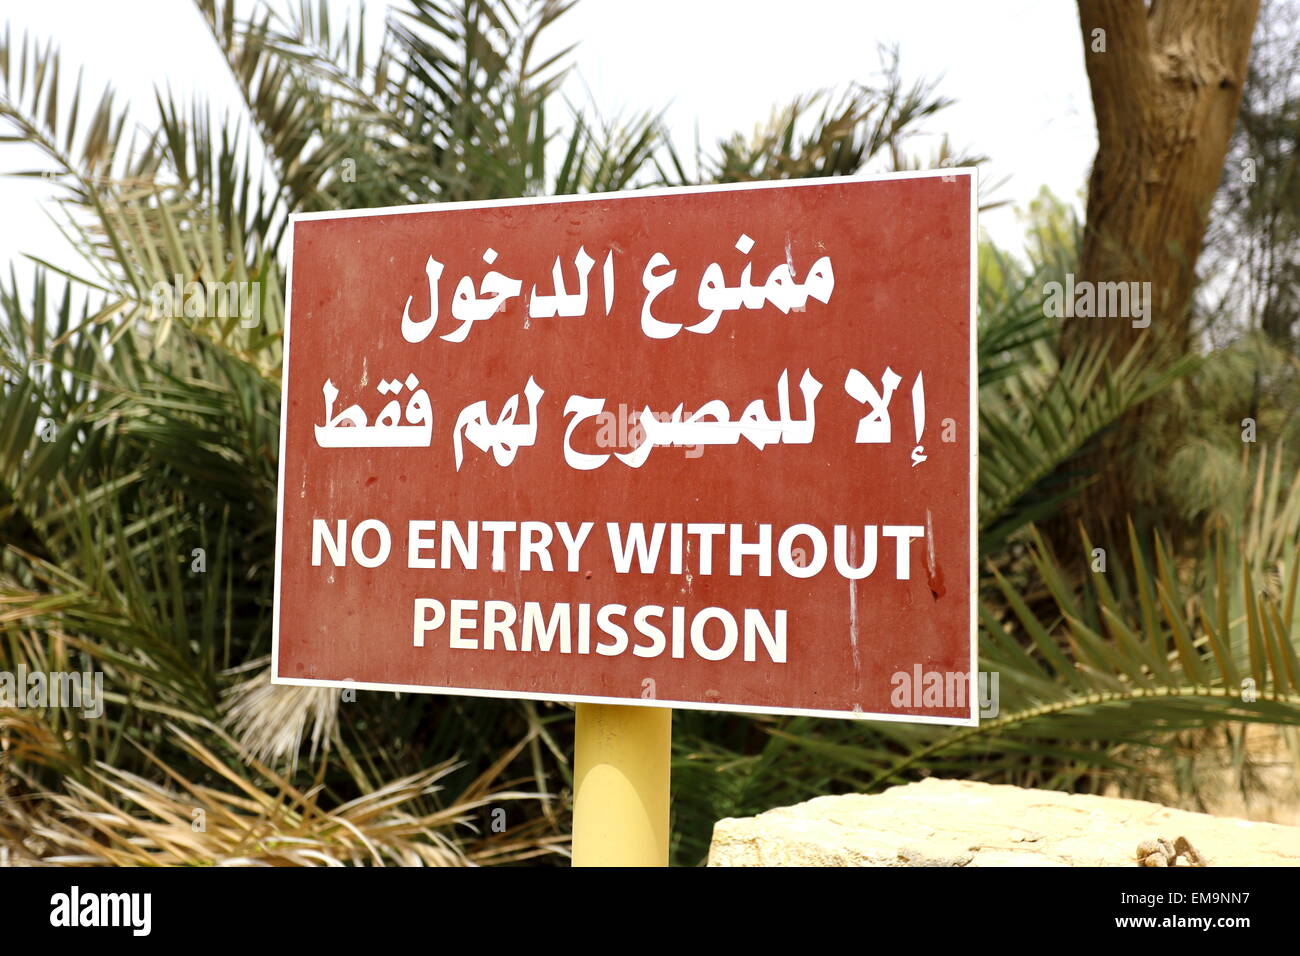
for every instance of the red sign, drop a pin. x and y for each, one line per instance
(707, 448)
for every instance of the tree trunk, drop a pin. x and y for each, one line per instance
(1167, 80)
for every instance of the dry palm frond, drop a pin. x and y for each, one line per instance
(120, 818)
(270, 720)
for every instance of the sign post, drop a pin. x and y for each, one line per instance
(620, 785)
(708, 448)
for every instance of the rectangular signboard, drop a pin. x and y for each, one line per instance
(709, 447)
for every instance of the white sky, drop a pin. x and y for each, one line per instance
(1014, 68)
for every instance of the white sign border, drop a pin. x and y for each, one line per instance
(973, 426)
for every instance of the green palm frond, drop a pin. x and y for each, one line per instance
(85, 145)
(1034, 421)
(305, 86)
(1135, 657)
(826, 135)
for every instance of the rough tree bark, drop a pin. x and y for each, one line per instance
(1166, 79)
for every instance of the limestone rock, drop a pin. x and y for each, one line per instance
(963, 823)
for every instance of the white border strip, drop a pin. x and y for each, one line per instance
(971, 721)
(630, 701)
(284, 431)
(972, 689)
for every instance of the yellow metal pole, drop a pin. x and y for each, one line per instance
(620, 801)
